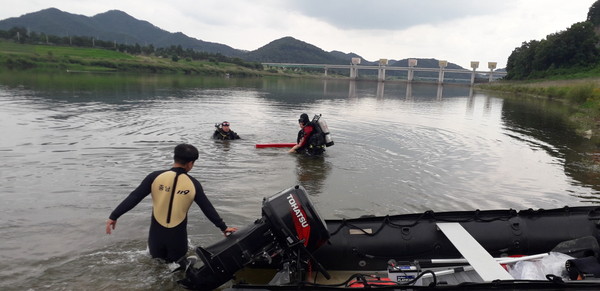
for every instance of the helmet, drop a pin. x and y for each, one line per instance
(303, 118)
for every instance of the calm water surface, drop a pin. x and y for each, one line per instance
(74, 146)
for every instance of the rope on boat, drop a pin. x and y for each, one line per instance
(387, 220)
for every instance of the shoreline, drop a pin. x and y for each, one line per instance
(581, 95)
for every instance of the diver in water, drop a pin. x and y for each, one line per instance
(224, 132)
(173, 191)
(310, 141)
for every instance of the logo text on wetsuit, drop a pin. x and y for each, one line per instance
(297, 211)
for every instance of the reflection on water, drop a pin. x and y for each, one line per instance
(422, 89)
(76, 144)
(380, 90)
(312, 172)
(542, 124)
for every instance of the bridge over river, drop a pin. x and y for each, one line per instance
(355, 66)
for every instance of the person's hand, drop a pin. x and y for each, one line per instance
(110, 225)
(293, 149)
(229, 231)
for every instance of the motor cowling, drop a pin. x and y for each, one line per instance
(294, 218)
(290, 226)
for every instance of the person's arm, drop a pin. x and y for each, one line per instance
(307, 132)
(207, 208)
(293, 149)
(130, 202)
(110, 225)
(228, 231)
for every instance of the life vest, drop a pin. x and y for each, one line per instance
(314, 144)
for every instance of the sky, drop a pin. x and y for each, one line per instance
(459, 31)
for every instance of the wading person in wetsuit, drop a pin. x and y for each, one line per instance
(308, 138)
(224, 132)
(173, 192)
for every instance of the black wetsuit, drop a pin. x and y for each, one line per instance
(168, 230)
(220, 134)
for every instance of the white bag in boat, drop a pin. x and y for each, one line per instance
(554, 263)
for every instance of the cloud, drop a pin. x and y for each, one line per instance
(395, 14)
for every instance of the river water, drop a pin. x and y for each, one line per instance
(73, 146)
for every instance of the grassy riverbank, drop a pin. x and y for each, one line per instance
(49, 58)
(582, 95)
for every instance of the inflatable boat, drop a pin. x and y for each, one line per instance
(292, 248)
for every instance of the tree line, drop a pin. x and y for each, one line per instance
(175, 52)
(568, 51)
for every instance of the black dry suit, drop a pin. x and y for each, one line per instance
(221, 134)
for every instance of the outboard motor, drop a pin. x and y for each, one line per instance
(288, 232)
(324, 129)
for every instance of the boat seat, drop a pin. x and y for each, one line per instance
(483, 263)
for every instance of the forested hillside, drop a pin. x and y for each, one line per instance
(574, 49)
(291, 50)
(111, 26)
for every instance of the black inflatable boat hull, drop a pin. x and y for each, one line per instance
(291, 238)
(368, 243)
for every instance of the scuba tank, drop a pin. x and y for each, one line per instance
(317, 121)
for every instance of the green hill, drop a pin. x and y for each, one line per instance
(114, 26)
(291, 50)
